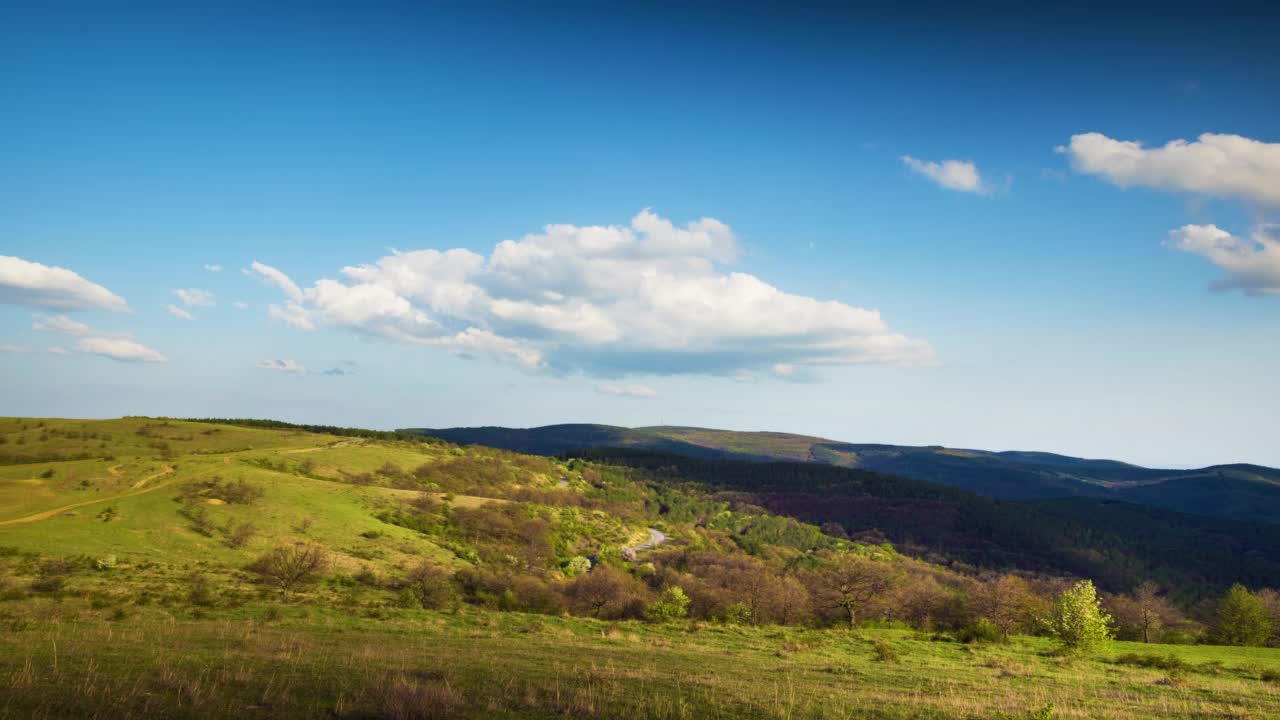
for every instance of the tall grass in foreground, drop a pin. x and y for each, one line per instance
(473, 664)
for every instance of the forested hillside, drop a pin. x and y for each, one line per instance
(1238, 492)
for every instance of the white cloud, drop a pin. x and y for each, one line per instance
(275, 278)
(55, 288)
(647, 297)
(193, 297)
(59, 350)
(289, 366)
(213, 268)
(178, 312)
(240, 305)
(293, 315)
(632, 391)
(1213, 164)
(951, 174)
(59, 324)
(12, 349)
(1251, 265)
(119, 349)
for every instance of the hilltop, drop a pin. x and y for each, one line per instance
(1235, 491)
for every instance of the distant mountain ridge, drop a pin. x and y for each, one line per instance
(1238, 491)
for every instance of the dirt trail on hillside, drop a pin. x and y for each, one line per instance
(134, 491)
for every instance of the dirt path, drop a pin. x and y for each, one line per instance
(58, 511)
(656, 538)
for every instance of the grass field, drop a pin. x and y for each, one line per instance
(125, 634)
(71, 661)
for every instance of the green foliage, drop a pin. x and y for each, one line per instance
(1078, 620)
(576, 565)
(882, 651)
(1242, 618)
(672, 605)
(980, 631)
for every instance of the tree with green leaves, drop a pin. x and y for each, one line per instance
(1078, 620)
(673, 605)
(1242, 618)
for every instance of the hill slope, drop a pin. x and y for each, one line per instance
(1245, 492)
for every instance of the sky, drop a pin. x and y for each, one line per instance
(923, 225)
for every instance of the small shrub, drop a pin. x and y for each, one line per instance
(199, 592)
(108, 514)
(432, 586)
(290, 567)
(48, 584)
(1171, 663)
(241, 534)
(882, 651)
(982, 631)
(1271, 676)
(47, 474)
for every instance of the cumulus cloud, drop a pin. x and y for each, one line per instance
(97, 342)
(213, 268)
(59, 324)
(1251, 265)
(275, 278)
(54, 288)
(119, 349)
(193, 297)
(951, 174)
(632, 391)
(646, 297)
(179, 313)
(1213, 164)
(12, 349)
(289, 366)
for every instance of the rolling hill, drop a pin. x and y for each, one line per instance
(153, 567)
(1239, 491)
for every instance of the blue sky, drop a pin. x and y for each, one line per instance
(1028, 297)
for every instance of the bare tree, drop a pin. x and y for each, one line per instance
(1151, 609)
(431, 585)
(289, 567)
(852, 581)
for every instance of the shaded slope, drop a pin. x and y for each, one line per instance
(1248, 492)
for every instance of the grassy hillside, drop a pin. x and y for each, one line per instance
(307, 662)
(1243, 492)
(468, 582)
